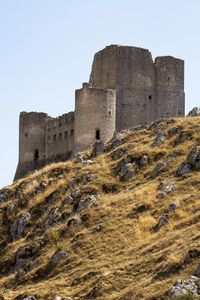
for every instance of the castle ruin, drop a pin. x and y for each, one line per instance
(126, 88)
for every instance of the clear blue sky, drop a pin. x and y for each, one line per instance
(47, 48)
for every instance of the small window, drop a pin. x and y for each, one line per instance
(150, 97)
(168, 78)
(98, 134)
(49, 140)
(26, 134)
(54, 137)
(36, 154)
(109, 112)
(60, 136)
(72, 132)
(66, 134)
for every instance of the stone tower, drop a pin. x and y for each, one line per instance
(145, 91)
(94, 115)
(31, 142)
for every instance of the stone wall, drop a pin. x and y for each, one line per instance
(169, 87)
(59, 137)
(31, 142)
(94, 115)
(143, 91)
(126, 89)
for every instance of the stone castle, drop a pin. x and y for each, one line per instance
(126, 88)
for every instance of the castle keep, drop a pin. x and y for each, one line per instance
(126, 88)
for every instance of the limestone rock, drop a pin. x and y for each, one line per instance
(161, 136)
(98, 148)
(143, 160)
(181, 137)
(75, 193)
(3, 194)
(170, 187)
(73, 222)
(87, 177)
(68, 200)
(194, 112)
(184, 168)
(192, 163)
(60, 298)
(163, 219)
(114, 143)
(84, 203)
(9, 209)
(79, 158)
(174, 130)
(162, 184)
(182, 287)
(72, 182)
(119, 153)
(157, 169)
(126, 172)
(88, 162)
(193, 158)
(20, 274)
(173, 206)
(19, 227)
(57, 257)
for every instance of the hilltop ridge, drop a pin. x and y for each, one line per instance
(121, 225)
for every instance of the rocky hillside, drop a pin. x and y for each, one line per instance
(120, 225)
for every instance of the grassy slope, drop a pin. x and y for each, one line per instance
(120, 260)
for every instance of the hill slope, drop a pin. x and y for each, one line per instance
(104, 230)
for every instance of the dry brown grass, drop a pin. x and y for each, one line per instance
(121, 260)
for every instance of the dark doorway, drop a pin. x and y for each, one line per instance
(98, 134)
(36, 154)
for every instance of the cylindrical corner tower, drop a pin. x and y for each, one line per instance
(95, 111)
(31, 142)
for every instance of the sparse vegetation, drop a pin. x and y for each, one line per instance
(110, 243)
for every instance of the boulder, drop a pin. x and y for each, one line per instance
(194, 112)
(157, 169)
(98, 148)
(119, 153)
(193, 158)
(79, 158)
(163, 219)
(87, 177)
(57, 257)
(19, 227)
(84, 203)
(72, 182)
(181, 137)
(184, 168)
(170, 187)
(9, 209)
(162, 184)
(114, 143)
(68, 200)
(126, 172)
(161, 136)
(174, 130)
(173, 206)
(182, 287)
(75, 193)
(143, 160)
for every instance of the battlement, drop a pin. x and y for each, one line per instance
(126, 88)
